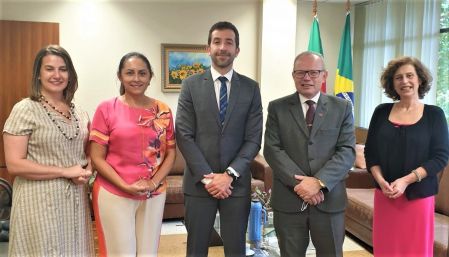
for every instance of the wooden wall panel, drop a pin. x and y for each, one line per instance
(5, 175)
(19, 43)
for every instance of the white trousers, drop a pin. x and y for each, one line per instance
(130, 228)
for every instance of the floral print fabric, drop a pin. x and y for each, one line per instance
(137, 140)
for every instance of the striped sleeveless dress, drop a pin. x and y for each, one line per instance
(49, 217)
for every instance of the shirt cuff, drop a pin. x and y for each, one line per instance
(236, 174)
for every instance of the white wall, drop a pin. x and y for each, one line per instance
(98, 34)
(278, 49)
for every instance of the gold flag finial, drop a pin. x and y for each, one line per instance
(348, 6)
(314, 8)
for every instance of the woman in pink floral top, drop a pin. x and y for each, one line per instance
(133, 149)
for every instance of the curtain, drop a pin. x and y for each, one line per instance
(385, 29)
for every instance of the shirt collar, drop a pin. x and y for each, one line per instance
(303, 99)
(216, 74)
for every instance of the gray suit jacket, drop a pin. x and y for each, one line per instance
(206, 145)
(327, 153)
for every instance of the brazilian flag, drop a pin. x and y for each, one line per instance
(344, 86)
(315, 43)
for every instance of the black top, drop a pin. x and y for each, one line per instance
(400, 149)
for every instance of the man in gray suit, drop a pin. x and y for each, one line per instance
(219, 132)
(309, 144)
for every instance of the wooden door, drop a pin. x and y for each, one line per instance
(19, 43)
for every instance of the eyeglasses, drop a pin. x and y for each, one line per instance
(302, 73)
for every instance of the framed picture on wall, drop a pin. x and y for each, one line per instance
(179, 61)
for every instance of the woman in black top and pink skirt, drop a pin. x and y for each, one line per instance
(407, 146)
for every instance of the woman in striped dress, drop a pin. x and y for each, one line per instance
(45, 138)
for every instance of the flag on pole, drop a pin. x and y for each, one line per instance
(344, 86)
(315, 43)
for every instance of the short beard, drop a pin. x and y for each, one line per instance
(222, 64)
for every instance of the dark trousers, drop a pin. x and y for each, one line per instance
(327, 231)
(200, 215)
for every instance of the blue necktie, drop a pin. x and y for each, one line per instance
(223, 98)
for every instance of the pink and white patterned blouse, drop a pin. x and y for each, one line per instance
(136, 139)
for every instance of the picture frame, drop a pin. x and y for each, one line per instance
(179, 61)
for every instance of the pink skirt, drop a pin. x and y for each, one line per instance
(402, 227)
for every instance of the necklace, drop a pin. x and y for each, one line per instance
(42, 98)
(72, 112)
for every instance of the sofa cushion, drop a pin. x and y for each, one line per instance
(257, 183)
(442, 198)
(361, 135)
(174, 189)
(360, 206)
(178, 166)
(441, 234)
(360, 156)
(359, 178)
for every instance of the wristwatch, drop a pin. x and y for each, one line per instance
(322, 185)
(230, 173)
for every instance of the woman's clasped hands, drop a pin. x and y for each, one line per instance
(77, 174)
(395, 189)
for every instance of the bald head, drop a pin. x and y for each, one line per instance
(318, 57)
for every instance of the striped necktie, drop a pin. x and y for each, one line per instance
(223, 98)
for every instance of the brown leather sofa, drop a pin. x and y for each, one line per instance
(174, 203)
(359, 211)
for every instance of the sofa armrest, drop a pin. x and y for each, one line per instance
(262, 171)
(359, 178)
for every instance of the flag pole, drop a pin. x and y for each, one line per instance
(344, 85)
(315, 38)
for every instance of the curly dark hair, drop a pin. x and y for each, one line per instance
(387, 77)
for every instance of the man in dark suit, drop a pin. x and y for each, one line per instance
(309, 144)
(219, 131)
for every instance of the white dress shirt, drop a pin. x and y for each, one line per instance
(304, 105)
(217, 83)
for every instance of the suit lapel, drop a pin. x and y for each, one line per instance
(296, 112)
(320, 113)
(210, 96)
(233, 97)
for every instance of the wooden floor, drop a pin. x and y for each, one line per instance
(94, 228)
(174, 246)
